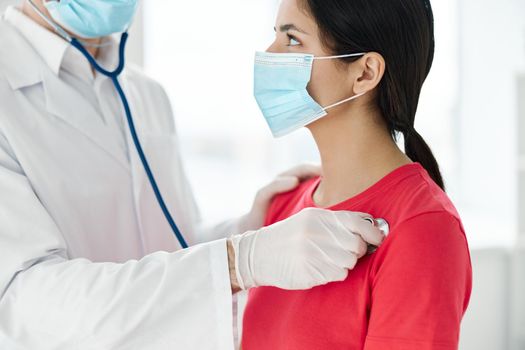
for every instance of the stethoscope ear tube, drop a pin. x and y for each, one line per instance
(114, 75)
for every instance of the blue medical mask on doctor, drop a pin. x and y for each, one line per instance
(280, 83)
(93, 18)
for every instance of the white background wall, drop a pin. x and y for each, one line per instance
(469, 114)
(491, 55)
(488, 113)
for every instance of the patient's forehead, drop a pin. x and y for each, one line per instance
(295, 12)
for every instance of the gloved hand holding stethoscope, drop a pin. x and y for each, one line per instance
(293, 255)
(298, 242)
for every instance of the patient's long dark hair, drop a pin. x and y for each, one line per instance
(402, 31)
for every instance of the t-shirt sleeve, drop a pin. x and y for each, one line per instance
(421, 283)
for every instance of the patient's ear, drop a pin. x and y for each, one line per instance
(367, 72)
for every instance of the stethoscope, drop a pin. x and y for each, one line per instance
(113, 75)
(381, 224)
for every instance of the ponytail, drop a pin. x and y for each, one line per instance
(417, 149)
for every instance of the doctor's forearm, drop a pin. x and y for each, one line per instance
(231, 265)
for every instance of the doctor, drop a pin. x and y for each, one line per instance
(87, 257)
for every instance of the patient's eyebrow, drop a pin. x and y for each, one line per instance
(286, 27)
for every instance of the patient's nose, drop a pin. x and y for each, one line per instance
(274, 48)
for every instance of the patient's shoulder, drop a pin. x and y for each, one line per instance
(289, 203)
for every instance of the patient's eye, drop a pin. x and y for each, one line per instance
(293, 41)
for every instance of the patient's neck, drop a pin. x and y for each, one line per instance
(356, 151)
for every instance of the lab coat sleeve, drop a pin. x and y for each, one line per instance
(176, 300)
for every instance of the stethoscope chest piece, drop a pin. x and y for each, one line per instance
(383, 226)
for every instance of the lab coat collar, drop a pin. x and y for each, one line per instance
(80, 114)
(23, 67)
(18, 61)
(56, 52)
(49, 46)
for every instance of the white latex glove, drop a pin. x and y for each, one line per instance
(284, 182)
(311, 248)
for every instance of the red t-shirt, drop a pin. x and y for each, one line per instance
(410, 294)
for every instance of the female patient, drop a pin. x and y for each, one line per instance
(413, 291)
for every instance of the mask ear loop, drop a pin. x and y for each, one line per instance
(341, 56)
(343, 101)
(58, 29)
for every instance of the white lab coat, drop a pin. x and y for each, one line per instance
(87, 260)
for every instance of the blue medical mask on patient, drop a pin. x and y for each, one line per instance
(280, 83)
(93, 18)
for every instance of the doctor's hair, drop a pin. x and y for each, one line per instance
(402, 32)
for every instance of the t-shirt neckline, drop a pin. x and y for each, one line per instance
(388, 180)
